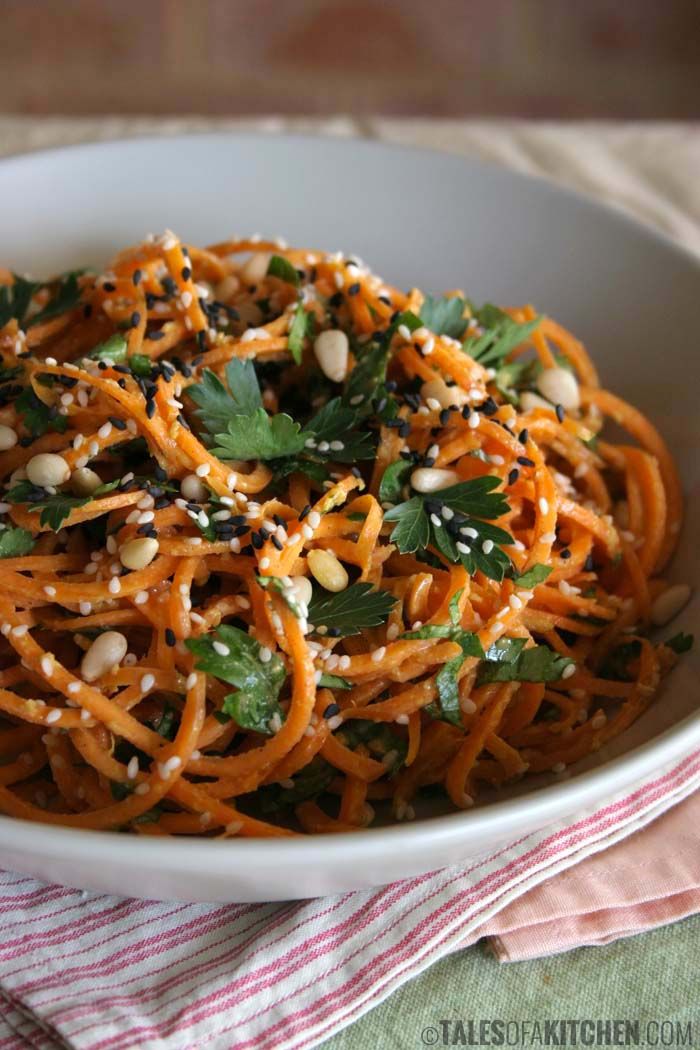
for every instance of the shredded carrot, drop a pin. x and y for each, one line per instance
(161, 667)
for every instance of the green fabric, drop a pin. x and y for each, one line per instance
(652, 976)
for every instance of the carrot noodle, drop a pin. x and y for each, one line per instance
(153, 742)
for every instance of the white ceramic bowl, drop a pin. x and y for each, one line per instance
(421, 218)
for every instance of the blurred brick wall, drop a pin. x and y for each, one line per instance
(536, 58)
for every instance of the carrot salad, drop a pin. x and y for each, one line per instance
(283, 548)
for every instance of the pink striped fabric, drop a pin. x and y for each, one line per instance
(103, 973)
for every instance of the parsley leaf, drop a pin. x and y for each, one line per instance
(352, 610)
(282, 268)
(680, 643)
(15, 299)
(303, 325)
(113, 349)
(140, 365)
(502, 334)
(309, 782)
(15, 543)
(333, 681)
(335, 421)
(36, 416)
(379, 739)
(470, 501)
(446, 679)
(217, 404)
(259, 436)
(507, 660)
(537, 574)
(259, 684)
(368, 375)
(412, 531)
(54, 509)
(66, 298)
(444, 316)
(393, 481)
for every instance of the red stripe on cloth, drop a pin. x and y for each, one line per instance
(555, 844)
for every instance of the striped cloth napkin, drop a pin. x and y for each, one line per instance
(104, 973)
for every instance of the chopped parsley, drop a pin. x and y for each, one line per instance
(15, 543)
(351, 611)
(507, 660)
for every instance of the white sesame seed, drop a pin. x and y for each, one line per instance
(487, 546)
(474, 420)
(191, 681)
(141, 597)
(314, 519)
(220, 648)
(379, 654)
(47, 665)
(543, 505)
(436, 521)
(548, 537)
(515, 602)
(115, 585)
(147, 683)
(568, 671)
(203, 470)
(54, 715)
(264, 563)
(265, 654)
(334, 722)
(463, 548)
(20, 630)
(74, 687)
(49, 590)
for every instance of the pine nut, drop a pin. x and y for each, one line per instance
(301, 589)
(327, 570)
(438, 390)
(138, 553)
(669, 603)
(108, 650)
(529, 400)
(8, 438)
(331, 350)
(431, 479)
(47, 469)
(193, 489)
(84, 481)
(226, 288)
(256, 267)
(559, 386)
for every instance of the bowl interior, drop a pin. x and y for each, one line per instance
(418, 218)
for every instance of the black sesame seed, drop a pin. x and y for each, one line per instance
(122, 383)
(202, 339)
(169, 285)
(335, 300)
(588, 565)
(466, 412)
(334, 632)
(524, 461)
(109, 287)
(276, 543)
(385, 299)
(135, 318)
(353, 289)
(159, 474)
(513, 476)
(170, 638)
(240, 530)
(186, 273)
(122, 369)
(489, 407)
(305, 511)
(559, 409)
(263, 532)
(256, 540)
(136, 277)
(356, 472)
(279, 520)
(331, 710)
(523, 436)
(117, 423)
(404, 429)
(102, 365)
(155, 336)
(161, 503)
(150, 409)
(444, 417)
(247, 550)
(565, 554)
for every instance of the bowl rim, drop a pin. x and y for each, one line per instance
(543, 803)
